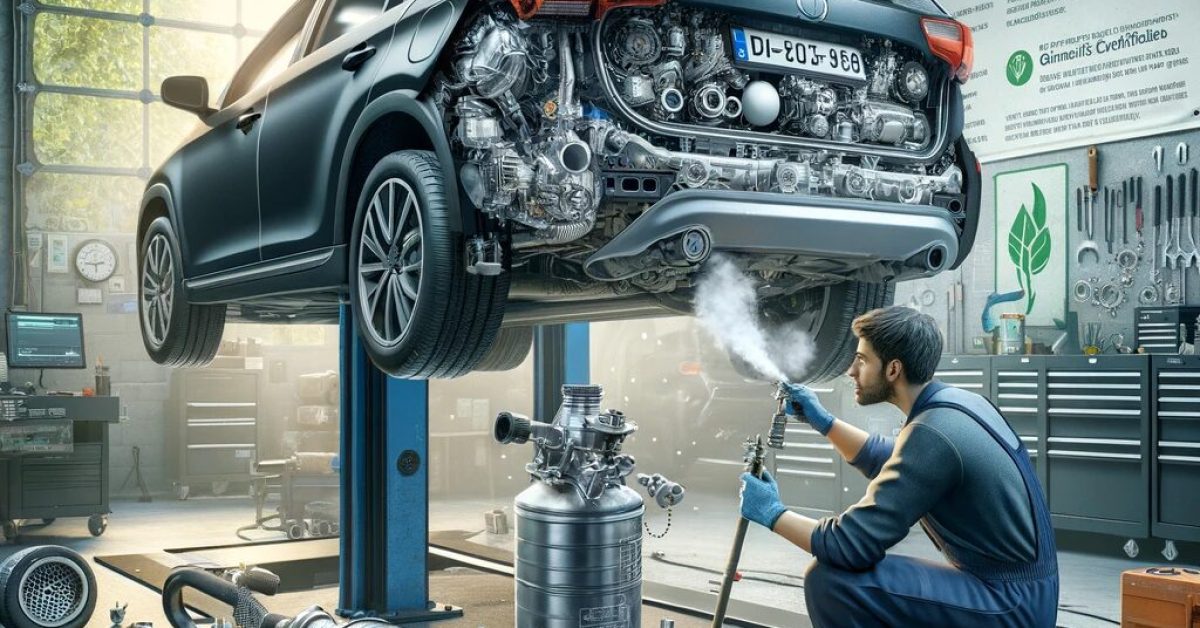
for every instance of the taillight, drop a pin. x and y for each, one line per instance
(689, 368)
(951, 41)
(575, 8)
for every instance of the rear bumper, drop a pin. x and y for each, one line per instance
(856, 232)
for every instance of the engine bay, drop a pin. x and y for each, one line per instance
(569, 129)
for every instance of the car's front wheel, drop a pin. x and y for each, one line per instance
(175, 332)
(419, 313)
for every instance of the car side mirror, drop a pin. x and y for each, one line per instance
(189, 93)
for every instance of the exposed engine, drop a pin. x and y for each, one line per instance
(556, 118)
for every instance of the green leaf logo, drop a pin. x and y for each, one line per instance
(1029, 245)
(1020, 68)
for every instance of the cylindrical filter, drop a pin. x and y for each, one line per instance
(578, 562)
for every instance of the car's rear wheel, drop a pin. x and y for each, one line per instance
(825, 314)
(419, 313)
(509, 351)
(175, 332)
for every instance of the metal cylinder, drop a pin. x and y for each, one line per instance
(578, 562)
(1010, 335)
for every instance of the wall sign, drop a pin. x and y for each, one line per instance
(1055, 74)
(1031, 242)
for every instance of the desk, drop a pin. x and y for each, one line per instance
(49, 485)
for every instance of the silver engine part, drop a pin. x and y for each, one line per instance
(579, 527)
(537, 139)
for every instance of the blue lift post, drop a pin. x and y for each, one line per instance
(383, 570)
(383, 566)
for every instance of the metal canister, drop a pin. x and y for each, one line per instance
(578, 562)
(1010, 334)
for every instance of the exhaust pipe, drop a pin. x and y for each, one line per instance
(931, 260)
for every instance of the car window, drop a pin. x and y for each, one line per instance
(343, 15)
(277, 64)
(272, 54)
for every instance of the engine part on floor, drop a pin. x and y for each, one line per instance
(248, 612)
(579, 527)
(116, 614)
(47, 586)
(754, 464)
(307, 483)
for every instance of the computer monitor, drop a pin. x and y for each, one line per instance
(45, 341)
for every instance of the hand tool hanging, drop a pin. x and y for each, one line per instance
(1154, 253)
(1139, 216)
(1108, 221)
(754, 464)
(1126, 189)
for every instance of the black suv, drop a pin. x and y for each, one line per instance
(459, 170)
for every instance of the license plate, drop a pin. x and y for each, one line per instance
(794, 54)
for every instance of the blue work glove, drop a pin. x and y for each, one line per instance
(803, 404)
(760, 499)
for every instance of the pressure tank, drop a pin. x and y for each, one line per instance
(578, 562)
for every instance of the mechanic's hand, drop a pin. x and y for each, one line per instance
(760, 499)
(803, 404)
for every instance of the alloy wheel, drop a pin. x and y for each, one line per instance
(390, 254)
(158, 290)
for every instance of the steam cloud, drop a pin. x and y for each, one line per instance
(726, 306)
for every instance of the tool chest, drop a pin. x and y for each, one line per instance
(1175, 494)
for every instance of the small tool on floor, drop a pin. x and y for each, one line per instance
(116, 614)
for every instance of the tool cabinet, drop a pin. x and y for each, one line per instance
(1175, 492)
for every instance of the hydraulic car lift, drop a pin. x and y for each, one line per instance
(383, 569)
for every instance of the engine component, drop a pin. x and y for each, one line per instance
(637, 43)
(639, 90)
(887, 123)
(671, 101)
(912, 85)
(478, 124)
(709, 101)
(579, 527)
(498, 63)
(761, 103)
(47, 585)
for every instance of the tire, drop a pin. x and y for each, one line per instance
(25, 575)
(825, 314)
(509, 351)
(176, 333)
(452, 316)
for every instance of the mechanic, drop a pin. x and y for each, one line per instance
(956, 467)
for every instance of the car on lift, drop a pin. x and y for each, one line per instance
(460, 170)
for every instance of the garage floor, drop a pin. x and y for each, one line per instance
(1089, 580)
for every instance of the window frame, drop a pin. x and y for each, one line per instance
(290, 25)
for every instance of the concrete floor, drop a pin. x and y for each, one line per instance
(1089, 581)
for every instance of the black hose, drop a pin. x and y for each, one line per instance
(200, 580)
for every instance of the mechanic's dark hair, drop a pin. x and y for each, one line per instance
(902, 333)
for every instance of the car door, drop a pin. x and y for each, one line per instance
(313, 107)
(217, 192)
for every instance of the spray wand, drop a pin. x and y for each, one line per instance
(779, 420)
(754, 464)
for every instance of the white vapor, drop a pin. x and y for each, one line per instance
(727, 308)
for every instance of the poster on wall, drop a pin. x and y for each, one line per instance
(1031, 241)
(1055, 74)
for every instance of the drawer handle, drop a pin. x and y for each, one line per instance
(223, 446)
(779, 458)
(1183, 459)
(1178, 444)
(1095, 441)
(1092, 454)
(1095, 411)
(809, 474)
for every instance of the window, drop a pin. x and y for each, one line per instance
(272, 55)
(341, 16)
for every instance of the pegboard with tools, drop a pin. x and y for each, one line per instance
(1136, 238)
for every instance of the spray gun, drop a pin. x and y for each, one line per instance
(779, 420)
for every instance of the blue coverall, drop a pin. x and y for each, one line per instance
(1003, 569)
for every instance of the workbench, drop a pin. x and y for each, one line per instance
(45, 478)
